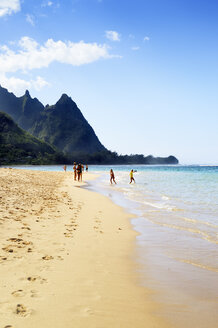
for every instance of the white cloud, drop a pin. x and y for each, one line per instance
(8, 7)
(146, 38)
(30, 19)
(135, 48)
(39, 83)
(18, 86)
(31, 55)
(27, 44)
(112, 35)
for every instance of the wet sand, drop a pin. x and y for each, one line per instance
(67, 257)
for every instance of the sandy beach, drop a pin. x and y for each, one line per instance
(67, 256)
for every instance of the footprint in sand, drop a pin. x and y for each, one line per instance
(18, 293)
(17, 219)
(2, 258)
(68, 235)
(17, 240)
(22, 311)
(27, 228)
(8, 249)
(27, 243)
(47, 257)
(34, 278)
(8, 326)
(97, 229)
(34, 293)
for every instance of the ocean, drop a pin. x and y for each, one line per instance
(175, 211)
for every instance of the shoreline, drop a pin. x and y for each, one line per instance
(186, 289)
(67, 256)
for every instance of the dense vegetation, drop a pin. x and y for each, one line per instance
(108, 157)
(19, 147)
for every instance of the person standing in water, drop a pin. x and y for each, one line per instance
(131, 177)
(65, 168)
(112, 177)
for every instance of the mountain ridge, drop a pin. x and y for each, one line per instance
(62, 124)
(64, 128)
(24, 110)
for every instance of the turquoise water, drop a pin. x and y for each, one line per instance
(177, 217)
(176, 211)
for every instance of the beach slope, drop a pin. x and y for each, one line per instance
(67, 257)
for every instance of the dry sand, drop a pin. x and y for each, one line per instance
(67, 257)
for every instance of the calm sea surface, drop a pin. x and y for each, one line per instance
(176, 211)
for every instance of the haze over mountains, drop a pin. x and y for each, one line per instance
(62, 127)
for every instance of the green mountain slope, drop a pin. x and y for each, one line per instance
(24, 110)
(18, 146)
(64, 126)
(61, 125)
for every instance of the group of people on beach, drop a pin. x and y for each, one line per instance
(112, 176)
(79, 168)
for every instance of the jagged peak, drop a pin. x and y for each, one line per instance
(65, 96)
(27, 94)
(65, 99)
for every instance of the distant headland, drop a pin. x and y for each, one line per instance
(31, 133)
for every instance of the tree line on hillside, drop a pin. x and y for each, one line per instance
(108, 157)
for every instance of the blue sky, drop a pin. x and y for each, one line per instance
(143, 72)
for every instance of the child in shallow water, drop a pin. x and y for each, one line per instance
(131, 176)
